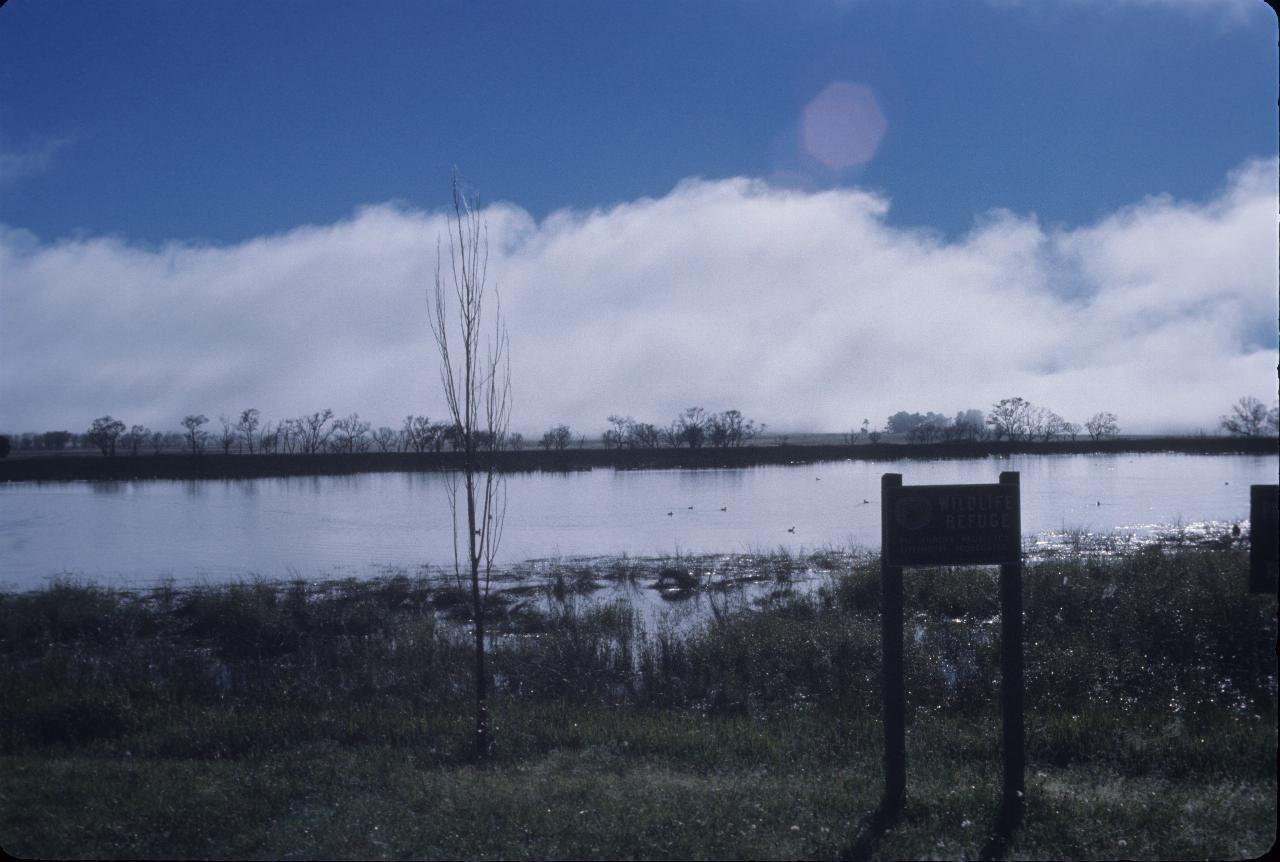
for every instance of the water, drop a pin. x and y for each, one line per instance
(134, 533)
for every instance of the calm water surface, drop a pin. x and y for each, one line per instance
(336, 526)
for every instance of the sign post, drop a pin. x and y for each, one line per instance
(938, 525)
(1011, 685)
(893, 692)
(1264, 555)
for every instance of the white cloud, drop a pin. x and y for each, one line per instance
(37, 157)
(1229, 12)
(804, 310)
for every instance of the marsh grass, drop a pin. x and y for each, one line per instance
(331, 719)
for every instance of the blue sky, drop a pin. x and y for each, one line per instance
(223, 121)
(152, 133)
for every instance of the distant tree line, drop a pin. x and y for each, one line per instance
(309, 434)
(1012, 419)
(693, 428)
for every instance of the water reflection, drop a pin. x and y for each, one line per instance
(245, 487)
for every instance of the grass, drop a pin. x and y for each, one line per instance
(331, 719)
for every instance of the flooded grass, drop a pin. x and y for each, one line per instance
(1074, 541)
(741, 721)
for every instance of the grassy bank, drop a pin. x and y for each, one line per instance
(331, 720)
(218, 466)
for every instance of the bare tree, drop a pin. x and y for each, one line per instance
(247, 425)
(1044, 424)
(1101, 425)
(731, 429)
(410, 438)
(350, 434)
(617, 436)
(440, 433)
(558, 437)
(227, 438)
(475, 373)
(419, 434)
(385, 438)
(689, 428)
(629, 434)
(269, 438)
(1010, 418)
(195, 436)
(313, 431)
(288, 435)
(136, 436)
(104, 433)
(1248, 418)
(643, 435)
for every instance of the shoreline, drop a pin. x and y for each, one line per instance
(712, 571)
(69, 467)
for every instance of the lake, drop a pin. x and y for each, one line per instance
(137, 532)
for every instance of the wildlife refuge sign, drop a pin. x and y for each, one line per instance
(952, 525)
(940, 525)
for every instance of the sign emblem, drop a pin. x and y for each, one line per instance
(912, 513)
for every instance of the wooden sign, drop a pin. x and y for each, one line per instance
(1264, 552)
(939, 525)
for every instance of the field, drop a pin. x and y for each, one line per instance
(305, 720)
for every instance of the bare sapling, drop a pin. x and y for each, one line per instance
(475, 373)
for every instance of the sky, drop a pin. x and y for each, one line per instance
(816, 212)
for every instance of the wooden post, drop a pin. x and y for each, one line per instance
(1264, 562)
(892, 682)
(1011, 684)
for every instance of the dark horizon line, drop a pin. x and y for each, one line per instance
(68, 466)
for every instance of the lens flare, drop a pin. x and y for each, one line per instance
(843, 126)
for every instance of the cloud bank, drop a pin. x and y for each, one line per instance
(804, 310)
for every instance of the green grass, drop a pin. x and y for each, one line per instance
(332, 720)
(598, 799)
